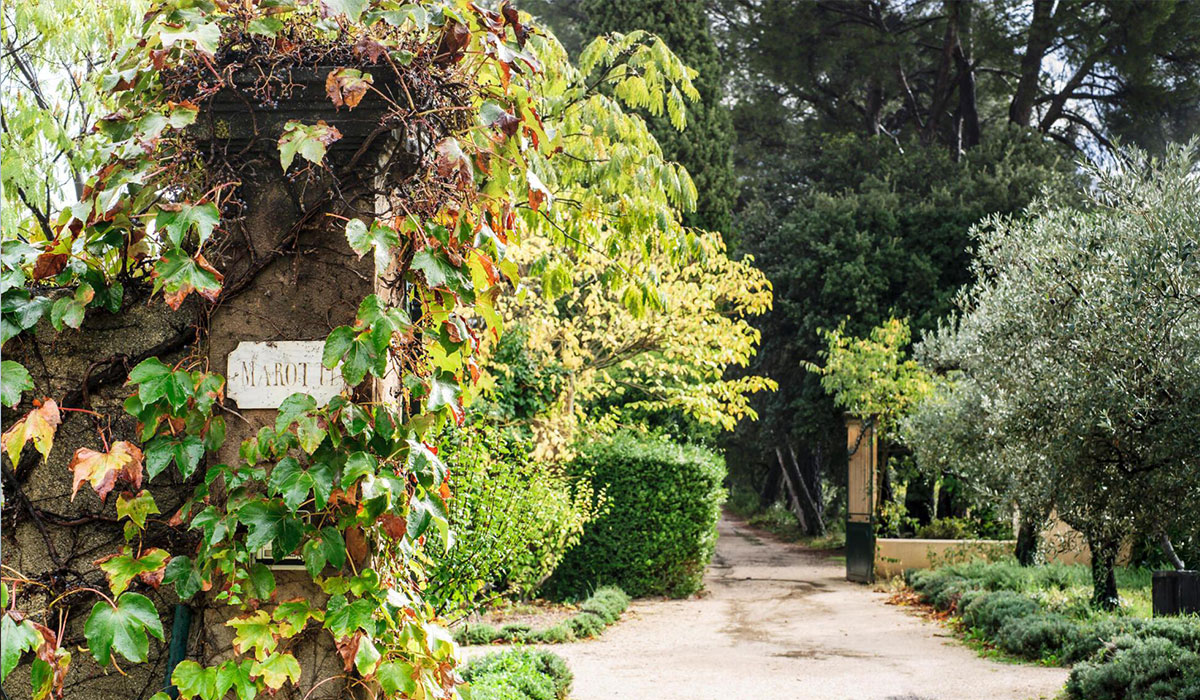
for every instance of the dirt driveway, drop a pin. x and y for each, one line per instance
(780, 622)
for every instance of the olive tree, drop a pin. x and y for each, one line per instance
(1080, 342)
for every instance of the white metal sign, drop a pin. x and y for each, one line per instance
(262, 375)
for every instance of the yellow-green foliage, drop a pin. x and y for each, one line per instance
(675, 355)
(870, 376)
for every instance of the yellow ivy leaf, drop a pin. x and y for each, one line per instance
(276, 670)
(38, 425)
(254, 632)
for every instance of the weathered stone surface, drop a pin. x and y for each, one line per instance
(61, 543)
(302, 294)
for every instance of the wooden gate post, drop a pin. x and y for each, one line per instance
(861, 498)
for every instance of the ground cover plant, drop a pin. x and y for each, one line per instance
(599, 610)
(1045, 614)
(657, 532)
(518, 674)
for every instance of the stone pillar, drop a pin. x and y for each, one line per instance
(296, 279)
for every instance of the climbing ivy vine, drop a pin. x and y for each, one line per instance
(522, 143)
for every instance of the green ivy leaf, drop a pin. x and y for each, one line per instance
(68, 311)
(353, 9)
(308, 141)
(232, 674)
(367, 657)
(343, 619)
(136, 508)
(41, 679)
(359, 464)
(314, 557)
(265, 26)
(187, 454)
(443, 392)
(322, 475)
(291, 481)
(379, 238)
(262, 581)
(396, 677)
(25, 310)
(271, 522)
(336, 345)
(429, 469)
(296, 409)
(14, 380)
(293, 407)
(292, 615)
(18, 637)
(276, 670)
(123, 628)
(186, 577)
(178, 275)
(193, 680)
(123, 568)
(201, 217)
(204, 36)
(437, 270)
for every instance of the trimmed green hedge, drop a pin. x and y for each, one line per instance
(659, 526)
(519, 674)
(597, 612)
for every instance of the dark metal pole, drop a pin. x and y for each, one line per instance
(178, 650)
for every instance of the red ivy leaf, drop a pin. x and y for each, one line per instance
(453, 43)
(347, 86)
(348, 649)
(103, 469)
(49, 264)
(513, 19)
(369, 48)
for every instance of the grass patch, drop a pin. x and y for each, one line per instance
(597, 612)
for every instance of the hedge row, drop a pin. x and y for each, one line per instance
(1115, 658)
(602, 609)
(518, 674)
(658, 529)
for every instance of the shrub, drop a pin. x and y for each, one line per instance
(519, 674)
(778, 520)
(476, 633)
(1037, 636)
(658, 530)
(949, 596)
(585, 625)
(1138, 669)
(990, 611)
(603, 608)
(512, 518)
(1095, 636)
(515, 632)
(555, 634)
(948, 529)
(606, 603)
(967, 598)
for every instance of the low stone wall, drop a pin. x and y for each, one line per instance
(893, 556)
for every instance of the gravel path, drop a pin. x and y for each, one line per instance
(781, 622)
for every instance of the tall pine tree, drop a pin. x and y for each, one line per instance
(704, 146)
